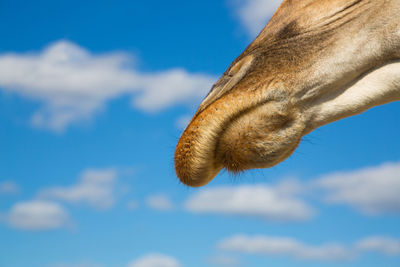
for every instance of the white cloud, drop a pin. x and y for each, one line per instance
(380, 244)
(73, 84)
(155, 260)
(160, 202)
(223, 260)
(8, 187)
(37, 215)
(254, 14)
(278, 246)
(81, 264)
(96, 187)
(289, 247)
(132, 205)
(177, 86)
(372, 190)
(277, 203)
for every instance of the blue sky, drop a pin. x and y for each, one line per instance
(93, 98)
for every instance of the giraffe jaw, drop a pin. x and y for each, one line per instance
(259, 137)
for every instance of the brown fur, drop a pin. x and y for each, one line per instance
(254, 115)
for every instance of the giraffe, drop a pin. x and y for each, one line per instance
(315, 62)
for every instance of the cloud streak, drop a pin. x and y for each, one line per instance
(289, 247)
(155, 260)
(254, 14)
(37, 215)
(96, 188)
(9, 188)
(81, 264)
(160, 202)
(380, 244)
(277, 203)
(372, 190)
(223, 260)
(74, 84)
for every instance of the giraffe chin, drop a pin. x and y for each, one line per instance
(259, 138)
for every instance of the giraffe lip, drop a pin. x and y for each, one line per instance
(197, 159)
(258, 135)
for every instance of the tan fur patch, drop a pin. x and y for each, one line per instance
(256, 114)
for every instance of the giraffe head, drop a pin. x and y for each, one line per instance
(301, 72)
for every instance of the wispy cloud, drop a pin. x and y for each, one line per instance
(224, 260)
(380, 244)
(155, 260)
(280, 246)
(372, 190)
(81, 264)
(37, 215)
(132, 204)
(73, 84)
(160, 202)
(278, 203)
(289, 247)
(254, 14)
(96, 187)
(149, 260)
(8, 188)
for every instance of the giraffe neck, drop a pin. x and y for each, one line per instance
(377, 87)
